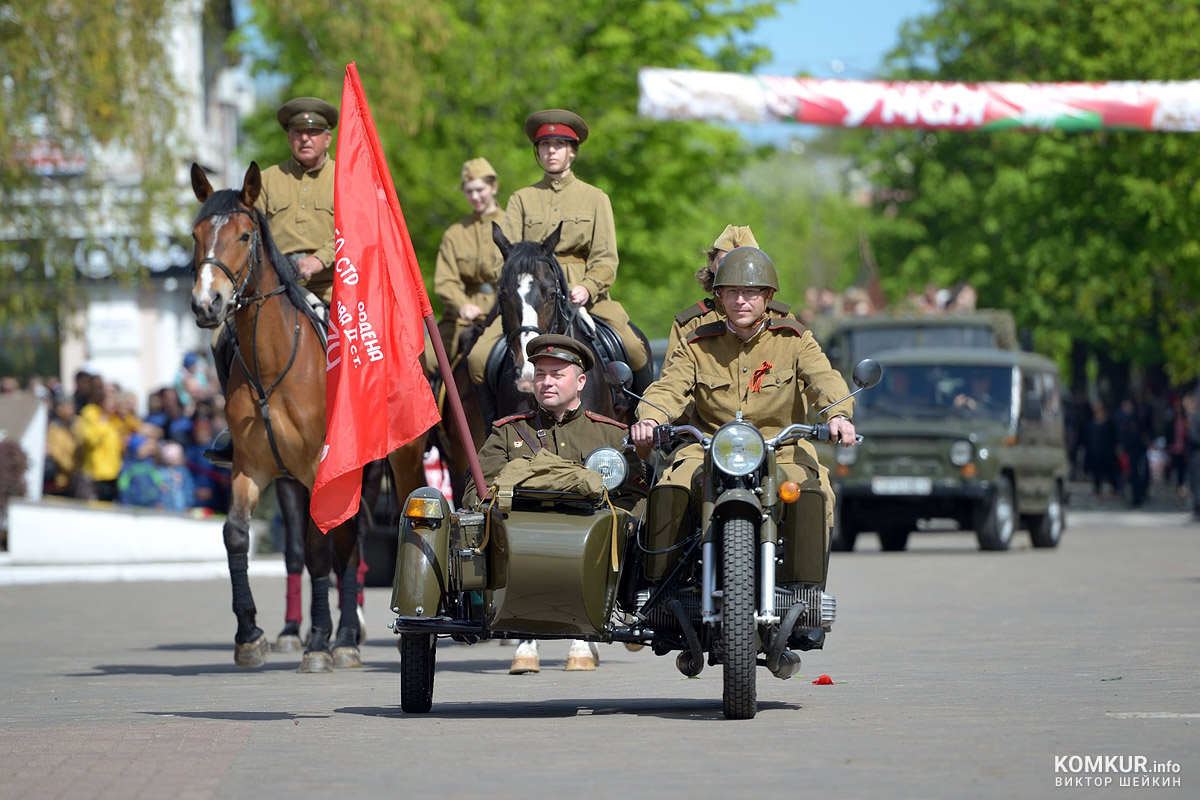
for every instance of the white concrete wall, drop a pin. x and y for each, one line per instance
(58, 531)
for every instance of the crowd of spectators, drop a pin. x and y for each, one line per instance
(98, 447)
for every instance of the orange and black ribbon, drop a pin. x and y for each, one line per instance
(756, 378)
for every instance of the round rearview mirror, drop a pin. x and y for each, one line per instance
(618, 373)
(867, 373)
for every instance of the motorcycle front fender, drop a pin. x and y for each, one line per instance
(727, 501)
(423, 556)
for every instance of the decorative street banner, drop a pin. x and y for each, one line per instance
(730, 97)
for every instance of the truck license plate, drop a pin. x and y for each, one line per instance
(902, 485)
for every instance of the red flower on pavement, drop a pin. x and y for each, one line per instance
(824, 680)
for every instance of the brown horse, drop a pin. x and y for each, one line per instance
(275, 405)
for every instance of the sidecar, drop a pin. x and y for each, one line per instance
(547, 568)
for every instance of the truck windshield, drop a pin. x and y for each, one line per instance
(868, 342)
(925, 390)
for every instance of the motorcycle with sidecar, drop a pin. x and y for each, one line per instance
(736, 579)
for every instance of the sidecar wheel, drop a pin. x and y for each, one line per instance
(739, 697)
(997, 518)
(418, 654)
(894, 538)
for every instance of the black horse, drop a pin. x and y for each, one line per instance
(533, 298)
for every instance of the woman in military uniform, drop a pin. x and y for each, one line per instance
(560, 425)
(587, 248)
(768, 368)
(468, 261)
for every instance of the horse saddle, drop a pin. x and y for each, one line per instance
(318, 314)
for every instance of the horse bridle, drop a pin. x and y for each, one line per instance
(564, 311)
(237, 303)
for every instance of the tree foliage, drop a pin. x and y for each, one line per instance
(1091, 238)
(449, 80)
(89, 107)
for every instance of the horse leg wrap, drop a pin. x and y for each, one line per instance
(321, 617)
(348, 599)
(294, 612)
(243, 600)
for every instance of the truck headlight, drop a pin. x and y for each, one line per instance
(610, 465)
(738, 448)
(961, 453)
(846, 456)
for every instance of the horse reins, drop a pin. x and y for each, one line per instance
(238, 302)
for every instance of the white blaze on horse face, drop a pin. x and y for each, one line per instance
(202, 291)
(529, 319)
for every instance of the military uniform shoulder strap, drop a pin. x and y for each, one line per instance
(704, 331)
(592, 415)
(785, 324)
(779, 308)
(514, 418)
(697, 309)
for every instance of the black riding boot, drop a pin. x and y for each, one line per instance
(220, 452)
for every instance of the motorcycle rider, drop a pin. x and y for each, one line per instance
(561, 425)
(769, 368)
(709, 309)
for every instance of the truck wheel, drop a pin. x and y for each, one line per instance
(1046, 529)
(418, 653)
(996, 519)
(739, 696)
(844, 534)
(894, 538)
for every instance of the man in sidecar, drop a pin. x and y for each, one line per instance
(558, 425)
(768, 368)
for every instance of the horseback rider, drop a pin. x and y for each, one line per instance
(768, 368)
(468, 263)
(560, 425)
(587, 248)
(297, 201)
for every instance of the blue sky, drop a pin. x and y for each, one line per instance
(830, 39)
(819, 37)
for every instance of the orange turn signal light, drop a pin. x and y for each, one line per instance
(423, 508)
(789, 491)
(843, 470)
(968, 470)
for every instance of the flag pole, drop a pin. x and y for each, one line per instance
(460, 418)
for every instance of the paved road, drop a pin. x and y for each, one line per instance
(958, 674)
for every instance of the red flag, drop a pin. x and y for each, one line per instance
(376, 395)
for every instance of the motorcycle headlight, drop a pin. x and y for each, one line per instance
(610, 464)
(738, 448)
(846, 455)
(961, 453)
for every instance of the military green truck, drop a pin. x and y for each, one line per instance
(848, 340)
(969, 434)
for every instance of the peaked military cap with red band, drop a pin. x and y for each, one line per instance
(564, 348)
(307, 113)
(555, 123)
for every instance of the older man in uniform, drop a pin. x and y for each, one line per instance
(587, 248)
(560, 425)
(768, 368)
(297, 201)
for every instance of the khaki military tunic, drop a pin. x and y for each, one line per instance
(468, 266)
(709, 310)
(298, 204)
(579, 433)
(587, 251)
(773, 379)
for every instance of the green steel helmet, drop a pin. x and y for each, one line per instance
(746, 266)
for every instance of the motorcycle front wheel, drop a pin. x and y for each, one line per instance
(740, 697)
(418, 655)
